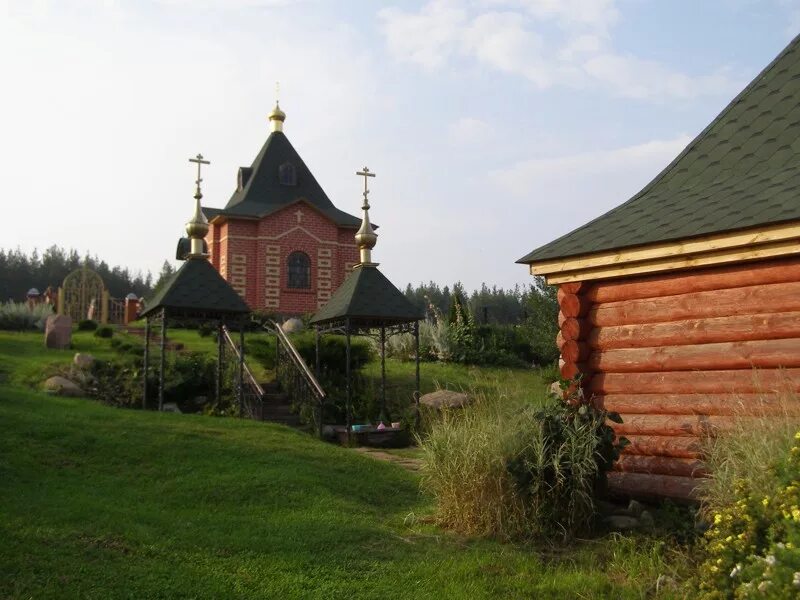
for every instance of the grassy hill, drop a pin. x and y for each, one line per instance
(98, 502)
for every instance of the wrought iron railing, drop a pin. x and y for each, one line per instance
(250, 393)
(296, 379)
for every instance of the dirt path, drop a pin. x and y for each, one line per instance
(410, 464)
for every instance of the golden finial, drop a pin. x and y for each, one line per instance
(197, 227)
(366, 238)
(277, 116)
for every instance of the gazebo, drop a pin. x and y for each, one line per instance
(367, 303)
(196, 292)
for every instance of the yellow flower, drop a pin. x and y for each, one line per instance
(796, 514)
(765, 501)
(717, 519)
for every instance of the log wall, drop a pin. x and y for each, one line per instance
(681, 356)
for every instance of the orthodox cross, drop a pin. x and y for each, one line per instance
(200, 162)
(365, 173)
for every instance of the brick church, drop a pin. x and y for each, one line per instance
(280, 242)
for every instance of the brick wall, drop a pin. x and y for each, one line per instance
(253, 257)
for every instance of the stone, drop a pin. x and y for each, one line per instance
(292, 325)
(621, 522)
(635, 508)
(646, 520)
(62, 386)
(555, 389)
(83, 361)
(58, 332)
(170, 407)
(445, 399)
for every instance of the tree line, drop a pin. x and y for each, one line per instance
(20, 271)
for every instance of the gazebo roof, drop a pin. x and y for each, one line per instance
(197, 290)
(368, 298)
(741, 172)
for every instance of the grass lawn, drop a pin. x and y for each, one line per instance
(98, 502)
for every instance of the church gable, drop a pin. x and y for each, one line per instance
(280, 241)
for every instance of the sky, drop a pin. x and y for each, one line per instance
(494, 126)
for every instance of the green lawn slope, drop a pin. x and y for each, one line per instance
(98, 502)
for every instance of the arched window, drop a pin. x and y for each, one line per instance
(299, 270)
(287, 174)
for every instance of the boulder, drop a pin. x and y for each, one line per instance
(83, 361)
(445, 399)
(58, 332)
(621, 522)
(170, 407)
(62, 386)
(292, 325)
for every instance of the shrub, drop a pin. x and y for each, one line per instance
(87, 325)
(205, 329)
(516, 472)
(104, 332)
(17, 316)
(752, 547)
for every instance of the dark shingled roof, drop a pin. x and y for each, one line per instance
(742, 171)
(263, 193)
(367, 295)
(197, 289)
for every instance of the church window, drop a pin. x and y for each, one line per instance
(287, 175)
(299, 270)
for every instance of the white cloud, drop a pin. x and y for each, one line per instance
(558, 178)
(469, 130)
(548, 42)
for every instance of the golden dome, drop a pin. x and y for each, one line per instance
(277, 117)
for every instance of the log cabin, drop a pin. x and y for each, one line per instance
(681, 307)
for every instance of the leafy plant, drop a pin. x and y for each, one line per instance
(104, 331)
(87, 325)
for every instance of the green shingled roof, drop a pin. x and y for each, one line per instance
(263, 193)
(741, 172)
(367, 295)
(197, 289)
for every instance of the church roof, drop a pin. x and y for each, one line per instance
(197, 290)
(368, 297)
(262, 193)
(741, 172)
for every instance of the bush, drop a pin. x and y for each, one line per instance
(752, 547)
(87, 325)
(17, 316)
(205, 329)
(518, 472)
(104, 332)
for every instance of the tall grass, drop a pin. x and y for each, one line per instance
(506, 469)
(18, 316)
(762, 433)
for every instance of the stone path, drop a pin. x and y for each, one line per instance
(410, 464)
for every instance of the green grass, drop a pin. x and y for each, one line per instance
(524, 384)
(98, 502)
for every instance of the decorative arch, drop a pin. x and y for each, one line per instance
(84, 296)
(299, 271)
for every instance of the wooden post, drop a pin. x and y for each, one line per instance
(383, 416)
(162, 364)
(316, 351)
(317, 369)
(348, 397)
(416, 375)
(146, 361)
(220, 352)
(241, 369)
(104, 300)
(60, 301)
